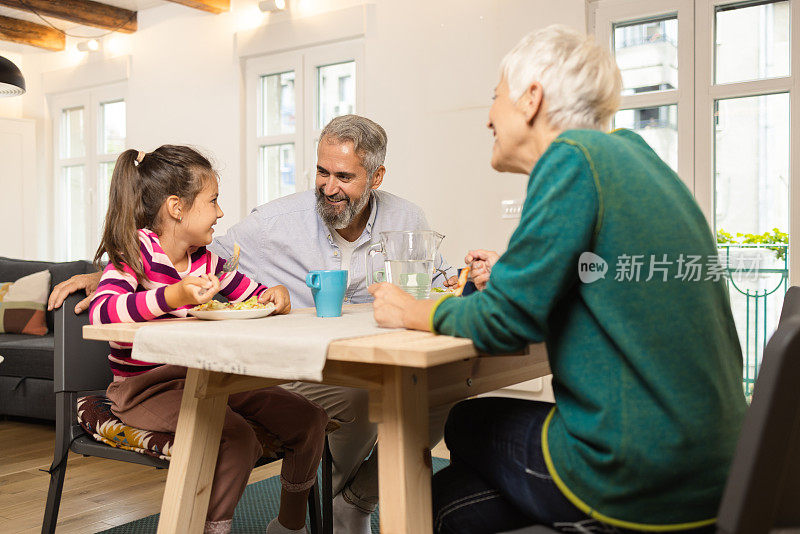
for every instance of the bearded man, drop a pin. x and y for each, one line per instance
(332, 227)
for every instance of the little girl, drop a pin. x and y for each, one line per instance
(161, 213)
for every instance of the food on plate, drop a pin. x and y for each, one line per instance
(215, 305)
(442, 289)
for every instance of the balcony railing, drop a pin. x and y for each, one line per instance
(751, 287)
(641, 38)
(658, 124)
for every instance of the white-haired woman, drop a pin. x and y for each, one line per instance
(642, 344)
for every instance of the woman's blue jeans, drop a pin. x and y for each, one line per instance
(497, 480)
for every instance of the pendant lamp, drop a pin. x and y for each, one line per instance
(11, 81)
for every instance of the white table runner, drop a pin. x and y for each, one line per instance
(292, 347)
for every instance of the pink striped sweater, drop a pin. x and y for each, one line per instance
(119, 299)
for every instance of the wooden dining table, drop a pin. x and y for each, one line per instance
(406, 372)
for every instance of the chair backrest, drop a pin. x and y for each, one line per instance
(763, 487)
(80, 364)
(791, 303)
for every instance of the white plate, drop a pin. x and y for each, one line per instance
(221, 315)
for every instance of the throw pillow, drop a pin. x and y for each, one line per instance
(23, 303)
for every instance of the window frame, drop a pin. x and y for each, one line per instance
(257, 68)
(90, 100)
(304, 62)
(696, 99)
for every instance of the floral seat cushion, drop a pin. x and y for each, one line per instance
(97, 419)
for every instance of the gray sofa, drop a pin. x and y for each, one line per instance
(26, 374)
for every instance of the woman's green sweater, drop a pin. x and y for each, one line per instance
(647, 366)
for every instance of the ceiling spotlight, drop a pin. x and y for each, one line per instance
(272, 5)
(92, 45)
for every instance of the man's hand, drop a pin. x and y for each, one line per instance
(279, 296)
(87, 282)
(481, 262)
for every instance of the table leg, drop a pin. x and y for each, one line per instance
(194, 458)
(404, 453)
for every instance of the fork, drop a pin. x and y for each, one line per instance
(232, 263)
(229, 266)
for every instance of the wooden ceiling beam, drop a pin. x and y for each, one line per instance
(85, 12)
(22, 31)
(212, 6)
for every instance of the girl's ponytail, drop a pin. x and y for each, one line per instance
(120, 237)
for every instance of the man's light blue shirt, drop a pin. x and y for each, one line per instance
(281, 241)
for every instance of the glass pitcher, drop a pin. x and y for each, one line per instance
(408, 260)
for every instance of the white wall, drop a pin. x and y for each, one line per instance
(430, 68)
(434, 103)
(17, 183)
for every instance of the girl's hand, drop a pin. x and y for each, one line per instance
(192, 290)
(481, 262)
(279, 296)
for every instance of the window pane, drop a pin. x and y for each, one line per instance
(277, 104)
(276, 172)
(112, 127)
(75, 210)
(751, 164)
(72, 144)
(647, 55)
(752, 42)
(336, 90)
(105, 171)
(658, 126)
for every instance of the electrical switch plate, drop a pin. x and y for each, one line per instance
(510, 209)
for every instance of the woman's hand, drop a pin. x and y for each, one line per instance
(192, 290)
(394, 308)
(391, 304)
(279, 296)
(481, 262)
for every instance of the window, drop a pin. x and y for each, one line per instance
(710, 85)
(89, 133)
(290, 98)
(713, 85)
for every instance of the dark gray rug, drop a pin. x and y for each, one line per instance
(258, 506)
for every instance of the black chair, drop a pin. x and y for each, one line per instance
(81, 368)
(763, 488)
(762, 492)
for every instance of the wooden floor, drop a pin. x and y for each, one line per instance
(89, 503)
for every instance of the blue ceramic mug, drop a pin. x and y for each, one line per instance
(328, 289)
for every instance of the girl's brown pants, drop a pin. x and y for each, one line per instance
(152, 401)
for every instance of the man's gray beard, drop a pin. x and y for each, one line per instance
(342, 219)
